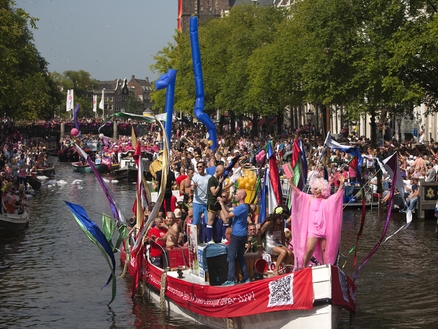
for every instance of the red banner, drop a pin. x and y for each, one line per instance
(343, 290)
(287, 292)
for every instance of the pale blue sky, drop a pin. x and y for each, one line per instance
(109, 39)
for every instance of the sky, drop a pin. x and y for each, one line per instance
(109, 39)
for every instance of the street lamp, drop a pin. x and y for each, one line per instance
(399, 120)
(309, 115)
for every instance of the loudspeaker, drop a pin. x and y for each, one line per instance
(217, 269)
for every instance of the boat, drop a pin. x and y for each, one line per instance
(46, 171)
(309, 298)
(14, 222)
(127, 170)
(34, 182)
(68, 154)
(85, 168)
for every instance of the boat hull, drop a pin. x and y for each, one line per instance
(256, 304)
(13, 222)
(322, 317)
(78, 167)
(34, 182)
(128, 174)
(48, 172)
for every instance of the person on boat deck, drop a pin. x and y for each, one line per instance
(185, 188)
(412, 198)
(275, 240)
(174, 228)
(228, 233)
(316, 223)
(168, 188)
(10, 199)
(22, 199)
(251, 245)
(214, 208)
(239, 236)
(199, 187)
(157, 240)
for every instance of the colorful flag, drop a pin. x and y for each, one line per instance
(96, 236)
(94, 103)
(102, 104)
(274, 177)
(136, 264)
(70, 100)
(115, 207)
(299, 165)
(333, 145)
(391, 164)
(263, 192)
(272, 197)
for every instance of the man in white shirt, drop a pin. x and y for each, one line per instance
(200, 186)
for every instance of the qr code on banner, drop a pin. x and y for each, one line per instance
(280, 291)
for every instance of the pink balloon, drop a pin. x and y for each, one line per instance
(74, 132)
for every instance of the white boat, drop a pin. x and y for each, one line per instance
(310, 298)
(14, 222)
(128, 170)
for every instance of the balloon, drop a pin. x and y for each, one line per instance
(74, 132)
(199, 84)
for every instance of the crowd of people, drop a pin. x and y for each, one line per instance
(21, 156)
(218, 206)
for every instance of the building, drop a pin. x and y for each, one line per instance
(119, 95)
(116, 94)
(142, 89)
(207, 9)
(204, 9)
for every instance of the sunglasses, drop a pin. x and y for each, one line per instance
(200, 167)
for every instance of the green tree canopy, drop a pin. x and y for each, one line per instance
(27, 90)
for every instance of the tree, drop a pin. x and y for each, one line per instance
(82, 83)
(27, 90)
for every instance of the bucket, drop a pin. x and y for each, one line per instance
(260, 267)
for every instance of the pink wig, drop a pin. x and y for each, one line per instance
(321, 184)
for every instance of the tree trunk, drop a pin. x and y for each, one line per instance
(280, 120)
(221, 124)
(373, 127)
(255, 125)
(232, 122)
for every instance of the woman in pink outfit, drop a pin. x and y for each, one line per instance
(316, 223)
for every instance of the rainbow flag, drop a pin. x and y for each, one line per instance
(299, 165)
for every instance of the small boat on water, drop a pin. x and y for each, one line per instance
(310, 298)
(14, 222)
(127, 170)
(85, 168)
(34, 182)
(46, 171)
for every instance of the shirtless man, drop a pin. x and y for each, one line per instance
(185, 187)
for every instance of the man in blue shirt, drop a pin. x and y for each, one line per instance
(239, 236)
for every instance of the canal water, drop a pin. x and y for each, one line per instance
(51, 276)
